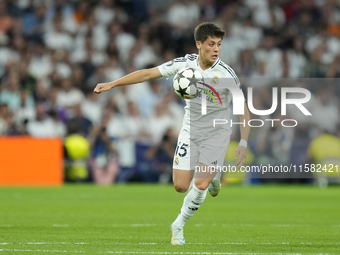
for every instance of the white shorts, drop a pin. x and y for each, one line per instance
(210, 150)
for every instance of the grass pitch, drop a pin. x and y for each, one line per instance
(135, 219)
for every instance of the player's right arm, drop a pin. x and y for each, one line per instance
(166, 70)
(132, 78)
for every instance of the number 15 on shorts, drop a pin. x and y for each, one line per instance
(181, 149)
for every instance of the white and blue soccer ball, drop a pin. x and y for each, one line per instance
(186, 81)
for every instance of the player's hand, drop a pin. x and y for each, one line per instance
(241, 154)
(102, 87)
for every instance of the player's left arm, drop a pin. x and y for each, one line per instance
(241, 151)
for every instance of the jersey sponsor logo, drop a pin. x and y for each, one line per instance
(208, 92)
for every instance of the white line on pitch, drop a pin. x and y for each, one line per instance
(148, 252)
(55, 243)
(52, 251)
(167, 252)
(198, 243)
(135, 225)
(137, 252)
(143, 225)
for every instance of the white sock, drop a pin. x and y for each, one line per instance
(192, 202)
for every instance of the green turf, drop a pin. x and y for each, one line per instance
(136, 218)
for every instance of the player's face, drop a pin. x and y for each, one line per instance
(210, 49)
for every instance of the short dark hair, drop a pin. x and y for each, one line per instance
(203, 30)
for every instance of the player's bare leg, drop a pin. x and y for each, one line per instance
(182, 180)
(192, 201)
(204, 177)
(208, 178)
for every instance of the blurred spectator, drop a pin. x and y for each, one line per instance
(51, 105)
(25, 112)
(41, 91)
(304, 26)
(12, 128)
(136, 125)
(208, 9)
(98, 77)
(124, 130)
(44, 125)
(267, 14)
(57, 38)
(150, 98)
(84, 125)
(326, 110)
(271, 56)
(92, 108)
(6, 21)
(33, 23)
(161, 155)
(246, 64)
(160, 120)
(104, 161)
(122, 96)
(91, 34)
(330, 45)
(68, 96)
(77, 77)
(113, 71)
(143, 54)
(11, 95)
(274, 143)
(123, 40)
(4, 112)
(315, 68)
(88, 67)
(250, 35)
(297, 59)
(59, 6)
(81, 12)
(40, 65)
(183, 14)
(231, 48)
(104, 12)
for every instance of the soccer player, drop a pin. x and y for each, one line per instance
(199, 143)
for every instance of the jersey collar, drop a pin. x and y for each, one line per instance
(216, 62)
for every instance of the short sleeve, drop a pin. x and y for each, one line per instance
(172, 67)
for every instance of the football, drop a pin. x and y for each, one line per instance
(185, 83)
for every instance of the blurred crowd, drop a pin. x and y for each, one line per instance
(54, 52)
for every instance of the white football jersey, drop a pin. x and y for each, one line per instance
(217, 108)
